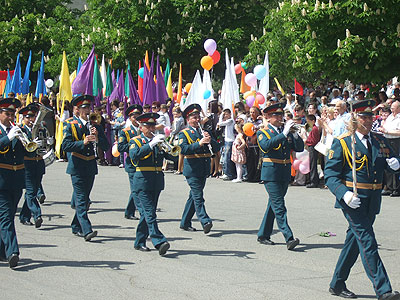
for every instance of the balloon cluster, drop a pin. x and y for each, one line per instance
(213, 57)
(252, 97)
(302, 162)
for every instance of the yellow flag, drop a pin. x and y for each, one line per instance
(72, 77)
(279, 86)
(65, 83)
(59, 130)
(179, 96)
(169, 86)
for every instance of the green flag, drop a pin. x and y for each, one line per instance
(127, 81)
(109, 83)
(166, 73)
(97, 82)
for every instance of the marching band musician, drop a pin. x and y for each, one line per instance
(125, 135)
(79, 139)
(12, 179)
(34, 171)
(148, 182)
(196, 167)
(373, 157)
(276, 144)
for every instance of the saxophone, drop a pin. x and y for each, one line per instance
(41, 134)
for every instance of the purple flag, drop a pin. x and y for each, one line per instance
(161, 92)
(113, 79)
(133, 94)
(83, 83)
(119, 91)
(149, 94)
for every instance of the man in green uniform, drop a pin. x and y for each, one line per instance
(373, 156)
(148, 182)
(34, 171)
(125, 135)
(12, 179)
(196, 167)
(79, 139)
(275, 144)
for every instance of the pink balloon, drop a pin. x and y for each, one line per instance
(238, 68)
(260, 98)
(210, 46)
(167, 130)
(250, 100)
(251, 80)
(304, 168)
(296, 164)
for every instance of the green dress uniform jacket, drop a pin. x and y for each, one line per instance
(124, 137)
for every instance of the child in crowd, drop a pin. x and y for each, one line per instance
(238, 153)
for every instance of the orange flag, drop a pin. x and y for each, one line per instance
(243, 86)
(146, 60)
(179, 96)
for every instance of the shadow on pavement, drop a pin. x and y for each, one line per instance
(228, 253)
(218, 233)
(36, 246)
(49, 227)
(179, 220)
(26, 264)
(304, 247)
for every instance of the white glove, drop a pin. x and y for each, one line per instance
(159, 138)
(351, 200)
(14, 132)
(38, 142)
(393, 163)
(289, 124)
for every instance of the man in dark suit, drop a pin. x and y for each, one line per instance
(125, 136)
(275, 144)
(148, 182)
(79, 139)
(12, 179)
(196, 167)
(360, 207)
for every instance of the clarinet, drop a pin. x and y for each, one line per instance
(209, 145)
(93, 143)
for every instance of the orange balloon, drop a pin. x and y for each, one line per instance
(188, 86)
(256, 103)
(207, 62)
(248, 129)
(115, 151)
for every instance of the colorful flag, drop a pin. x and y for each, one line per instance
(146, 60)
(140, 85)
(127, 81)
(103, 72)
(65, 82)
(132, 92)
(279, 86)
(83, 83)
(167, 71)
(118, 92)
(149, 86)
(7, 89)
(161, 92)
(169, 86)
(243, 86)
(25, 83)
(109, 83)
(40, 86)
(298, 89)
(16, 80)
(179, 95)
(97, 81)
(264, 83)
(79, 65)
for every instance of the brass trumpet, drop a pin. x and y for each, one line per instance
(170, 149)
(29, 146)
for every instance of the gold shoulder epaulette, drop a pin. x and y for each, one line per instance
(74, 122)
(125, 129)
(343, 135)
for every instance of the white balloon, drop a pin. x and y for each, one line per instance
(49, 83)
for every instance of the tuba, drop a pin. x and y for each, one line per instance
(41, 133)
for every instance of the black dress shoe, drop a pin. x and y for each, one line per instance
(79, 234)
(27, 223)
(345, 293)
(292, 244)
(163, 248)
(90, 235)
(142, 248)
(395, 194)
(207, 227)
(131, 218)
(188, 228)
(38, 222)
(385, 193)
(265, 241)
(41, 199)
(311, 186)
(390, 296)
(13, 260)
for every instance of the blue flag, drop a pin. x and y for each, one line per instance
(16, 81)
(25, 83)
(40, 87)
(7, 88)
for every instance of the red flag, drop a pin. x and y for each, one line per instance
(298, 90)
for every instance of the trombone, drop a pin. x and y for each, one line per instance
(170, 149)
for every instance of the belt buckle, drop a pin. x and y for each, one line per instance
(374, 186)
(14, 168)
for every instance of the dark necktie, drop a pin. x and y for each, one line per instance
(280, 130)
(8, 129)
(369, 146)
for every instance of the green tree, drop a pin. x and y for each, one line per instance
(355, 40)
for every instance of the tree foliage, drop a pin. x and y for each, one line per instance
(351, 39)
